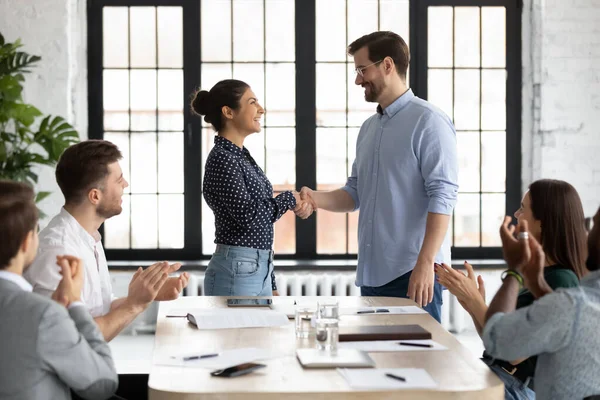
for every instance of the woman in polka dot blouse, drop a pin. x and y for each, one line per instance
(240, 195)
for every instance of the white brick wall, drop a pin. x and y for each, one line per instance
(561, 95)
(56, 31)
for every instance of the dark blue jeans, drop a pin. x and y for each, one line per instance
(399, 288)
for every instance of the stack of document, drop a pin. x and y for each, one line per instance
(388, 378)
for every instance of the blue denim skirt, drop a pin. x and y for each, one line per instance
(239, 271)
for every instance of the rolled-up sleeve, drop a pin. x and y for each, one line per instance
(437, 151)
(351, 186)
(545, 326)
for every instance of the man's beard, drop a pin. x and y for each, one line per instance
(108, 212)
(371, 95)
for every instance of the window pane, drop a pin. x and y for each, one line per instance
(255, 144)
(216, 23)
(358, 109)
(213, 73)
(331, 94)
(466, 99)
(116, 230)
(352, 137)
(493, 36)
(331, 30)
(280, 100)
(253, 75)
(394, 16)
(466, 220)
(332, 232)
(115, 21)
(170, 37)
(208, 141)
(466, 41)
(285, 234)
(493, 104)
(143, 36)
(492, 213)
(248, 34)
(121, 140)
(362, 19)
(493, 168)
(143, 162)
(439, 36)
(144, 227)
(468, 161)
(143, 100)
(439, 89)
(280, 36)
(281, 155)
(170, 162)
(171, 221)
(115, 96)
(208, 229)
(353, 232)
(331, 158)
(170, 100)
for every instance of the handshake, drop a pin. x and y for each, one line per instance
(305, 203)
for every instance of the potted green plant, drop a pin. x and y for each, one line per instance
(25, 141)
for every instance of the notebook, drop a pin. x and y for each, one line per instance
(382, 332)
(345, 358)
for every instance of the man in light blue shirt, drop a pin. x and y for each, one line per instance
(404, 180)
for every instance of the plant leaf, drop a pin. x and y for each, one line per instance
(41, 196)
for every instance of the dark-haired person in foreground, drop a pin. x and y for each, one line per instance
(240, 195)
(47, 345)
(561, 327)
(554, 214)
(90, 178)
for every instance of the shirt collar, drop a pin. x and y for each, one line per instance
(83, 234)
(17, 279)
(226, 144)
(397, 105)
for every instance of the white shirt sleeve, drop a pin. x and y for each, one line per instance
(44, 274)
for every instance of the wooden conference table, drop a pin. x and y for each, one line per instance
(459, 374)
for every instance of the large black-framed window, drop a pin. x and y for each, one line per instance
(160, 50)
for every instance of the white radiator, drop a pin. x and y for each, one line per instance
(331, 283)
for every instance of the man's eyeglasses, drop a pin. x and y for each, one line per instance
(361, 70)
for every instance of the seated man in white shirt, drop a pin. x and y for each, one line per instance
(91, 180)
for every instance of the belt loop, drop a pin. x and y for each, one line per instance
(226, 251)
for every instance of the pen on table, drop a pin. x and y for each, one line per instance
(366, 312)
(200, 357)
(176, 316)
(396, 377)
(415, 344)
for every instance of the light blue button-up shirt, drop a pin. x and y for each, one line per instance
(406, 167)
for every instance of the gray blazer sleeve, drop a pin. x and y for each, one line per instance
(73, 348)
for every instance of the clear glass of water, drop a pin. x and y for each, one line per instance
(303, 321)
(327, 326)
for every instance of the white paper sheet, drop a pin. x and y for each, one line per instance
(391, 345)
(225, 358)
(375, 379)
(224, 318)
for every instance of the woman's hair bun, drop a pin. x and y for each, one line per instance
(201, 103)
